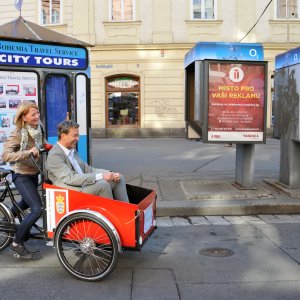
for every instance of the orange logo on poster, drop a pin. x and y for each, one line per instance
(60, 204)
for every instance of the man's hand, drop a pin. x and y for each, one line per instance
(116, 177)
(110, 176)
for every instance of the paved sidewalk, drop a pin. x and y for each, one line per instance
(227, 220)
(192, 178)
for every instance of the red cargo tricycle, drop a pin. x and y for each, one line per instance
(87, 231)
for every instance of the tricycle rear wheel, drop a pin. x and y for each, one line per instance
(86, 247)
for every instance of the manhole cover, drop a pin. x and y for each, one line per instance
(217, 252)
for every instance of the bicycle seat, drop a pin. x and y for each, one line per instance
(5, 172)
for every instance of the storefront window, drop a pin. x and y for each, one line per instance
(122, 101)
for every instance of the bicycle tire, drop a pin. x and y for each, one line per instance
(6, 226)
(86, 247)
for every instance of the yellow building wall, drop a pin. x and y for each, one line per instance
(154, 44)
(161, 75)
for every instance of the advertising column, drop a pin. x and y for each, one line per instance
(230, 87)
(235, 109)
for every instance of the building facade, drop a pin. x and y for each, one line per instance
(137, 71)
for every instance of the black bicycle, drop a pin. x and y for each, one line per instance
(8, 223)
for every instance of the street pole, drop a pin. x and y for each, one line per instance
(288, 22)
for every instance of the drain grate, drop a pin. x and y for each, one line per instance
(216, 252)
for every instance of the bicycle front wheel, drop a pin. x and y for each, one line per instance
(86, 247)
(6, 227)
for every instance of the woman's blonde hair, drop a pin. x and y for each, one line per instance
(22, 110)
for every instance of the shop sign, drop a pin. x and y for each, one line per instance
(123, 83)
(289, 58)
(224, 51)
(42, 55)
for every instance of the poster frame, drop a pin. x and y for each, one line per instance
(207, 62)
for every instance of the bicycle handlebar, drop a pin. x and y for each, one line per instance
(47, 148)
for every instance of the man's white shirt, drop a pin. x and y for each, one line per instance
(70, 154)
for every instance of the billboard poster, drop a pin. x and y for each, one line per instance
(15, 87)
(236, 102)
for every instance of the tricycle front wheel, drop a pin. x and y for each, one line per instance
(86, 247)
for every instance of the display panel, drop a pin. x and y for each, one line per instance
(15, 87)
(236, 101)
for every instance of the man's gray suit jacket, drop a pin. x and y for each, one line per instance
(61, 172)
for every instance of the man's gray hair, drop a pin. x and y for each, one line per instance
(65, 126)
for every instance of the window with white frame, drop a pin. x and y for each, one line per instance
(122, 10)
(50, 11)
(203, 9)
(287, 9)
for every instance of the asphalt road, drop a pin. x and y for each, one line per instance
(157, 156)
(255, 259)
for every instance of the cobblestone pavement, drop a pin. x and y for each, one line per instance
(227, 220)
